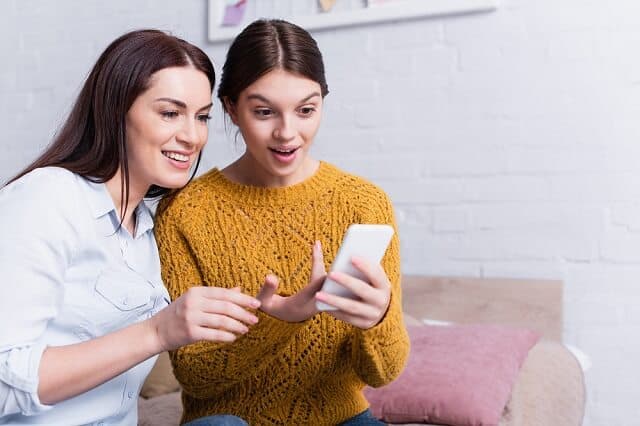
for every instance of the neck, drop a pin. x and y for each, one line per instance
(246, 171)
(136, 194)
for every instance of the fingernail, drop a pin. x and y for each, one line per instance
(254, 319)
(255, 303)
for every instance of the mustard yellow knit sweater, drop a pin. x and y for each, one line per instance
(219, 233)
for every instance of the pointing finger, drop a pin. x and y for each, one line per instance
(269, 288)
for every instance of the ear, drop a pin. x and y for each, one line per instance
(230, 107)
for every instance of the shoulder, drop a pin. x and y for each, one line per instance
(50, 185)
(188, 200)
(366, 201)
(44, 178)
(45, 201)
(356, 187)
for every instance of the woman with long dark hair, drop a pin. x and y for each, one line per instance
(282, 214)
(83, 306)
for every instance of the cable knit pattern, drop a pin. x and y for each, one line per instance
(219, 233)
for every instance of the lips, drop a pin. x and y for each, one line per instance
(178, 160)
(284, 150)
(176, 156)
(285, 154)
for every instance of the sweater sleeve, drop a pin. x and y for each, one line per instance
(379, 354)
(207, 369)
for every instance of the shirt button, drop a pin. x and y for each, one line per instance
(130, 394)
(125, 301)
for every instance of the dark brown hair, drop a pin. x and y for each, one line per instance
(263, 46)
(91, 142)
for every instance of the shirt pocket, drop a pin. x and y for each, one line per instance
(126, 291)
(122, 297)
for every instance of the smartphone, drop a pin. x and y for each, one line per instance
(369, 242)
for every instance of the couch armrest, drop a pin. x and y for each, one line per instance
(550, 389)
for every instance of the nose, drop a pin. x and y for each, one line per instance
(285, 130)
(189, 133)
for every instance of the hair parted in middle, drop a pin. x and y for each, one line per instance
(266, 45)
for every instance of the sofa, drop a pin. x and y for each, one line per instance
(542, 384)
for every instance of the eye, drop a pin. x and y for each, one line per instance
(307, 111)
(169, 114)
(263, 112)
(204, 118)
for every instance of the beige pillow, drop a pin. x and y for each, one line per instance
(160, 380)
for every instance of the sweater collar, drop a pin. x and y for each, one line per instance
(321, 180)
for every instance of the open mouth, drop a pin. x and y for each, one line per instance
(175, 156)
(285, 152)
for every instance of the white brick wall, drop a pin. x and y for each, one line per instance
(508, 142)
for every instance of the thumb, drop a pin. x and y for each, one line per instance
(269, 288)
(318, 273)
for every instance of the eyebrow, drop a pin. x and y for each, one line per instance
(180, 103)
(263, 99)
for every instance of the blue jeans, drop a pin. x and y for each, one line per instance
(218, 420)
(363, 419)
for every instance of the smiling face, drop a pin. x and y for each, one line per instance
(167, 128)
(278, 116)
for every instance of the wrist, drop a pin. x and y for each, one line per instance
(314, 311)
(152, 339)
(307, 312)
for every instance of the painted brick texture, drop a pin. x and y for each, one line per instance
(509, 142)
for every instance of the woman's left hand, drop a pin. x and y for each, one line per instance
(374, 295)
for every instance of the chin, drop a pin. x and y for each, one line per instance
(174, 183)
(286, 169)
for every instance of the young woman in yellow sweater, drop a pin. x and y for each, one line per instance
(271, 223)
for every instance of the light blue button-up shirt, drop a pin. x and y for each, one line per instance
(68, 274)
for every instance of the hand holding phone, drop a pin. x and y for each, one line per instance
(366, 241)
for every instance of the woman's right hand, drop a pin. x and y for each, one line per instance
(301, 305)
(204, 313)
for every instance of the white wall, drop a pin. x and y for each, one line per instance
(508, 142)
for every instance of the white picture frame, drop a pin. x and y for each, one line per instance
(391, 11)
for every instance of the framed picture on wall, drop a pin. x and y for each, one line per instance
(228, 17)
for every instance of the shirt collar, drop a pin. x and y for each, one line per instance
(101, 204)
(144, 218)
(99, 198)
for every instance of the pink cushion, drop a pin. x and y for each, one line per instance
(455, 375)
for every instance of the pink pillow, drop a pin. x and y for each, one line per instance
(455, 375)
